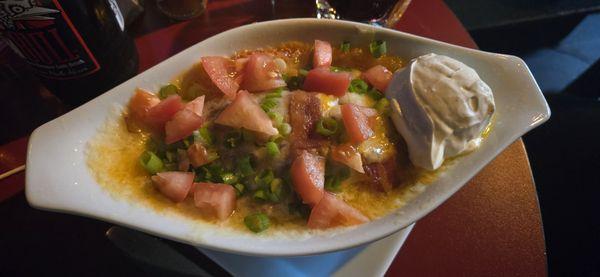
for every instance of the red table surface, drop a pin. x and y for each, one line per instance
(491, 227)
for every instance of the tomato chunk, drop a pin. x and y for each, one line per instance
(215, 200)
(332, 212)
(185, 121)
(198, 155)
(308, 177)
(174, 185)
(244, 112)
(323, 55)
(378, 76)
(217, 69)
(141, 102)
(348, 155)
(356, 123)
(261, 73)
(323, 80)
(158, 115)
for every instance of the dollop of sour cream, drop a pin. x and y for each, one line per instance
(440, 107)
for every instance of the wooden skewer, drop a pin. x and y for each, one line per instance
(12, 171)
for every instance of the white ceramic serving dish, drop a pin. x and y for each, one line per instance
(58, 179)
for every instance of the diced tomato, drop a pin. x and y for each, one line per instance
(323, 55)
(141, 103)
(356, 123)
(181, 126)
(196, 105)
(348, 155)
(261, 73)
(215, 200)
(174, 185)
(158, 115)
(378, 76)
(185, 121)
(198, 155)
(323, 80)
(217, 69)
(332, 211)
(244, 112)
(308, 176)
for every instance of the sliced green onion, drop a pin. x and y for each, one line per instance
(265, 178)
(239, 189)
(345, 46)
(257, 222)
(374, 94)
(233, 139)
(167, 90)
(276, 188)
(244, 166)
(204, 136)
(152, 163)
(276, 117)
(383, 106)
(276, 93)
(229, 178)
(334, 175)
(284, 129)
(272, 149)
(268, 104)
(358, 86)
(327, 126)
(378, 48)
(261, 195)
(302, 72)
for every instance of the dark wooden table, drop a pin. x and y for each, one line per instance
(491, 227)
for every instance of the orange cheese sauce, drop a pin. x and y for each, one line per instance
(113, 155)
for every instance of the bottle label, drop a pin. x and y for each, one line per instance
(46, 38)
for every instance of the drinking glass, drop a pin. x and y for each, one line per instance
(384, 13)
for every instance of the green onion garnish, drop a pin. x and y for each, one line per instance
(302, 72)
(257, 222)
(327, 126)
(268, 104)
(229, 178)
(167, 90)
(382, 106)
(358, 86)
(152, 163)
(276, 93)
(244, 166)
(284, 129)
(345, 46)
(276, 188)
(374, 94)
(265, 178)
(261, 195)
(276, 117)
(239, 189)
(334, 176)
(204, 136)
(378, 48)
(272, 149)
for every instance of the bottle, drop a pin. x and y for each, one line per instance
(78, 49)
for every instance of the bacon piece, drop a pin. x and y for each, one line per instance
(304, 112)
